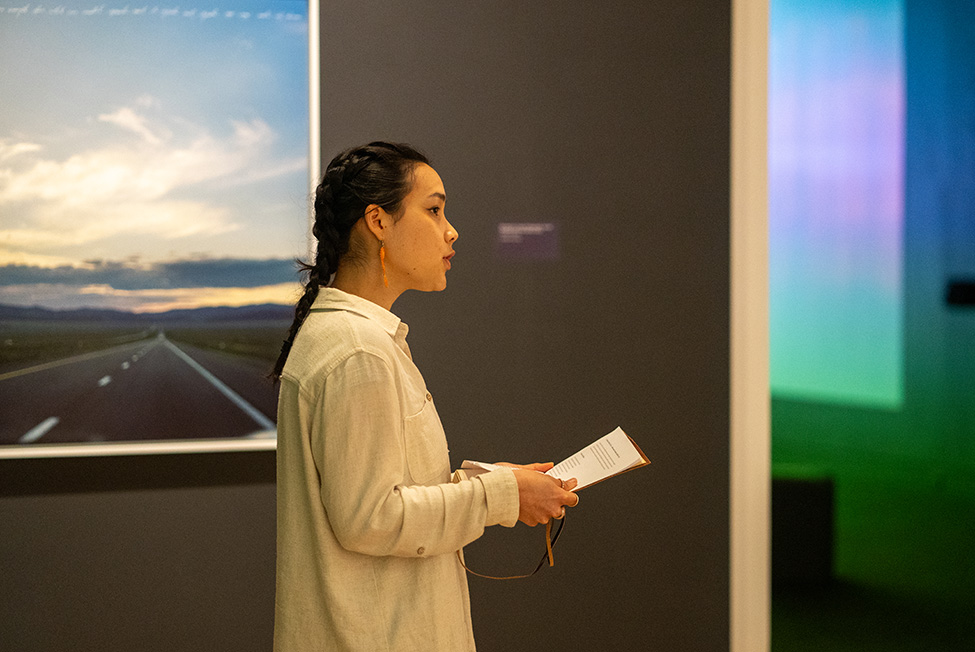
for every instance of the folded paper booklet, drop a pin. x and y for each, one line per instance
(607, 456)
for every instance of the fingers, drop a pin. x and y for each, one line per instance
(543, 497)
(576, 503)
(567, 487)
(541, 467)
(568, 498)
(570, 486)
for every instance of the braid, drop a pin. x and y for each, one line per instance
(378, 173)
(326, 261)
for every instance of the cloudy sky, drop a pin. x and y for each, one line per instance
(152, 156)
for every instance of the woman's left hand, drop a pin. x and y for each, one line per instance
(541, 467)
(541, 497)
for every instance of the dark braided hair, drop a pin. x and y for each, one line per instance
(378, 173)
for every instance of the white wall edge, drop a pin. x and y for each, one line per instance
(750, 439)
(314, 113)
(258, 442)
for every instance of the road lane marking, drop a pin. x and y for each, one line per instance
(39, 430)
(104, 381)
(238, 400)
(64, 361)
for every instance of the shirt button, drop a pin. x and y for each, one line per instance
(429, 397)
(420, 551)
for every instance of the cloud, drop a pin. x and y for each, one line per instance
(10, 150)
(138, 287)
(134, 276)
(142, 173)
(127, 171)
(127, 118)
(165, 220)
(59, 297)
(148, 301)
(10, 257)
(253, 133)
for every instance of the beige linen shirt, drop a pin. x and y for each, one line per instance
(368, 521)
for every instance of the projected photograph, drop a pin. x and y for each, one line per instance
(153, 198)
(836, 208)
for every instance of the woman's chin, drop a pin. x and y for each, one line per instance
(439, 286)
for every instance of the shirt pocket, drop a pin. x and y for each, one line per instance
(426, 445)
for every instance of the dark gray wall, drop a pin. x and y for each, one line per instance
(149, 553)
(609, 119)
(612, 120)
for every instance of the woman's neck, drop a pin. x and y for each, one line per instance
(367, 283)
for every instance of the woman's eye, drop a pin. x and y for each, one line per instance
(435, 210)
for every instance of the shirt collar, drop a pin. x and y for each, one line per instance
(335, 299)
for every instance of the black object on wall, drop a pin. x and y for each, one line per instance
(802, 529)
(960, 293)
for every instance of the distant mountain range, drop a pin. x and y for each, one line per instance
(265, 311)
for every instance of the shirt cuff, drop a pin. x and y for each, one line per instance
(501, 492)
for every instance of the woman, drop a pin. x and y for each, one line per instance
(368, 520)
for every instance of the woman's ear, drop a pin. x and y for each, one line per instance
(375, 219)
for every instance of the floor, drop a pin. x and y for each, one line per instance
(904, 553)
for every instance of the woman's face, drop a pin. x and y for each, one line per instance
(419, 245)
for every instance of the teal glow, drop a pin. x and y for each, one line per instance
(836, 170)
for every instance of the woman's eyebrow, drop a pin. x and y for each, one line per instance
(442, 196)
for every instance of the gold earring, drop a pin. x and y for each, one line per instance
(382, 261)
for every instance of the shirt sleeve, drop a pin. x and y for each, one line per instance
(358, 440)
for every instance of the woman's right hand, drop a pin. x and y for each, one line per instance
(542, 497)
